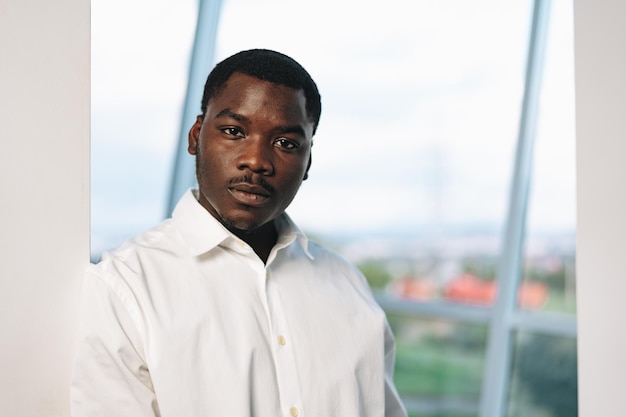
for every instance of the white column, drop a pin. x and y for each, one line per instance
(44, 198)
(600, 53)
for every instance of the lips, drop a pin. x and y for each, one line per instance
(249, 194)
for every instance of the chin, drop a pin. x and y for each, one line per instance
(242, 225)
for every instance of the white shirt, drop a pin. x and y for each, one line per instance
(186, 320)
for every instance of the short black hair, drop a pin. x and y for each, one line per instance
(265, 65)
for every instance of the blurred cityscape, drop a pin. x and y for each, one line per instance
(440, 362)
(463, 268)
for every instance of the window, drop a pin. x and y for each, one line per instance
(414, 174)
(138, 85)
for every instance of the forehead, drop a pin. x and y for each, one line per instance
(251, 96)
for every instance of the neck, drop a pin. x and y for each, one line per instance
(261, 240)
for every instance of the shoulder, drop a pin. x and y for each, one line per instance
(150, 245)
(335, 264)
(124, 269)
(325, 255)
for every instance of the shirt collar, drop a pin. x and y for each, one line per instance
(202, 232)
(288, 232)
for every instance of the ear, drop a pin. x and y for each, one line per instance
(306, 173)
(194, 135)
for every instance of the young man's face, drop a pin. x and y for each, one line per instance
(252, 149)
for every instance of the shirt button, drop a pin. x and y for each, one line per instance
(282, 341)
(293, 411)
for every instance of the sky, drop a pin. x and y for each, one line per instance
(420, 117)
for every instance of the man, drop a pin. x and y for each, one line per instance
(227, 309)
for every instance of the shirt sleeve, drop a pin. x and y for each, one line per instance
(110, 378)
(393, 404)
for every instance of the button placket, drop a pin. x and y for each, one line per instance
(284, 359)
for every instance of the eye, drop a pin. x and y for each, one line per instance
(286, 144)
(232, 131)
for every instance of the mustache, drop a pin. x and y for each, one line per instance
(252, 180)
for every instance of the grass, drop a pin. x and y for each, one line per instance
(438, 359)
(434, 371)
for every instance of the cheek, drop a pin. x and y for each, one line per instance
(207, 156)
(206, 168)
(294, 179)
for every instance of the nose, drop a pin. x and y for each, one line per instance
(256, 155)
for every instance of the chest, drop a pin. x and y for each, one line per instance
(237, 313)
(228, 332)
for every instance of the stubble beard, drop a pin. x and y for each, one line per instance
(228, 222)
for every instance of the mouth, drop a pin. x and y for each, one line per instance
(250, 195)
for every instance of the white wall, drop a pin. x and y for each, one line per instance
(600, 34)
(44, 198)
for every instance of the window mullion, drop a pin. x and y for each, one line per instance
(496, 376)
(202, 60)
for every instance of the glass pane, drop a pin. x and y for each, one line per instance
(413, 156)
(439, 365)
(549, 269)
(412, 160)
(140, 57)
(544, 377)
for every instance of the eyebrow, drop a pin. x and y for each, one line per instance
(292, 129)
(229, 113)
(241, 118)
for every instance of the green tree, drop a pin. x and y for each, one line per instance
(547, 369)
(376, 273)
